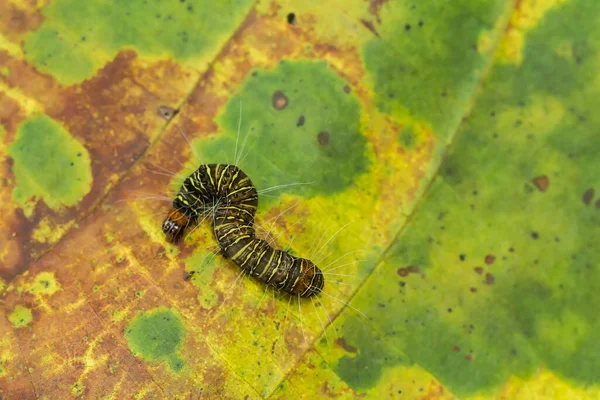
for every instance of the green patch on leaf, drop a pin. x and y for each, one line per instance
(51, 51)
(408, 137)
(496, 275)
(77, 389)
(367, 357)
(202, 266)
(301, 117)
(49, 164)
(21, 316)
(156, 336)
(427, 66)
(71, 48)
(45, 283)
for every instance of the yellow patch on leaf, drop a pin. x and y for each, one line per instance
(544, 385)
(525, 17)
(48, 231)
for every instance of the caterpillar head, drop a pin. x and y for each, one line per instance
(311, 280)
(174, 225)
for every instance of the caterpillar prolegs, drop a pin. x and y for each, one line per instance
(232, 199)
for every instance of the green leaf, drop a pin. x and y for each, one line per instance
(437, 160)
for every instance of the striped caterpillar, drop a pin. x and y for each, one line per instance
(234, 200)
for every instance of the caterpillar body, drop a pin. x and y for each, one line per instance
(211, 184)
(232, 198)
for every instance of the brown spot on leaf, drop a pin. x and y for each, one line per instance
(455, 348)
(347, 89)
(348, 347)
(98, 108)
(598, 204)
(17, 21)
(489, 279)
(369, 25)
(479, 270)
(280, 101)
(408, 270)
(469, 357)
(588, 196)
(300, 121)
(375, 7)
(323, 138)
(541, 182)
(473, 290)
(167, 112)
(489, 259)
(327, 391)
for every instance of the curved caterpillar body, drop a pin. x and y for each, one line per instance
(208, 186)
(232, 198)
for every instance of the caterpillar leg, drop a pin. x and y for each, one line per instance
(223, 254)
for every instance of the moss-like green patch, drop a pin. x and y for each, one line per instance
(368, 355)
(45, 283)
(49, 164)
(50, 49)
(425, 64)
(21, 316)
(301, 117)
(203, 265)
(156, 336)
(71, 49)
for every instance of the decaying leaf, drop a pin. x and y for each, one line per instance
(438, 160)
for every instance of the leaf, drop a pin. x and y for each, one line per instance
(438, 161)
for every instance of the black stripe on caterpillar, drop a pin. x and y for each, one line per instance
(228, 193)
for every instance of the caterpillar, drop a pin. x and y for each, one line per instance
(228, 193)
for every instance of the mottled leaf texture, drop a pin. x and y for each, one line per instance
(439, 160)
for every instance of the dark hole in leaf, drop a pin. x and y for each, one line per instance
(291, 19)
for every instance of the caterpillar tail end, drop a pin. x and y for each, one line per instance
(314, 282)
